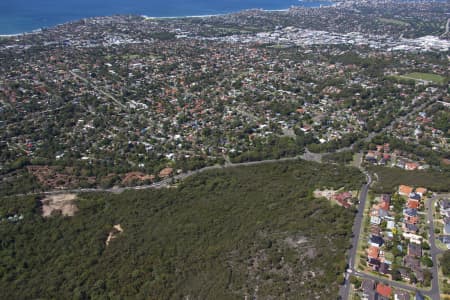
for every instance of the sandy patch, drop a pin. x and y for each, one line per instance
(63, 203)
(117, 229)
(296, 242)
(325, 193)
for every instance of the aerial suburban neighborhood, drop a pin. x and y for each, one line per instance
(400, 242)
(218, 100)
(300, 153)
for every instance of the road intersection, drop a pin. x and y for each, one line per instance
(433, 293)
(344, 291)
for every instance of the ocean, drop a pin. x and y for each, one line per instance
(18, 16)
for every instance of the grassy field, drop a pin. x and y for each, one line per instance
(393, 21)
(253, 231)
(434, 78)
(357, 158)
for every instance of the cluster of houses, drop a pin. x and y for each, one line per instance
(375, 256)
(421, 127)
(186, 97)
(410, 229)
(12, 218)
(384, 157)
(305, 37)
(381, 156)
(58, 178)
(444, 210)
(379, 291)
(383, 226)
(140, 177)
(343, 199)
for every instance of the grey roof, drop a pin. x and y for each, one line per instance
(411, 262)
(386, 198)
(414, 196)
(412, 227)
(376, 240)
(414, 249)
(410, 212)
(368, 285)
(384, 268)
(445, 203)
(419, 296)
(382, 213)
(374, 261)
(402, 295)
(419, 274)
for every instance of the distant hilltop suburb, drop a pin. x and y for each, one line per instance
(380, 19)
(126, 100)
(398, 20)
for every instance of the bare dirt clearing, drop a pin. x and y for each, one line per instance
(325, 193)
(63, 203)
(117, 229)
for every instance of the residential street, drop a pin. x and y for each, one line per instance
(345, 289)
(317, 157)
(225, 149)
(434, 251)
(394, 284)
(433, 293)
(309, 156)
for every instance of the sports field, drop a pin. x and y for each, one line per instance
(425, 77)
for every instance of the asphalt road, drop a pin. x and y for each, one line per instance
(433, 293)
(106, 94)
(309, 156)
(395, 284)
(168, 181)
(344, 291)
(317, 157)
(434, 251)
(345, 288)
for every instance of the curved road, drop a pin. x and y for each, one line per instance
(168, 181)
(317, 157)
(309, 156)
(434, 251)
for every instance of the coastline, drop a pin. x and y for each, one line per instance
(11, 35)
(320, 4)
(216, 15)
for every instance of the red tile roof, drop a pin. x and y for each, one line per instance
(384, 290)
(421, 190)
(384, 206)
(165, 172)
(373, 252)
(405, 190)
(412, 203)
(411, 166)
